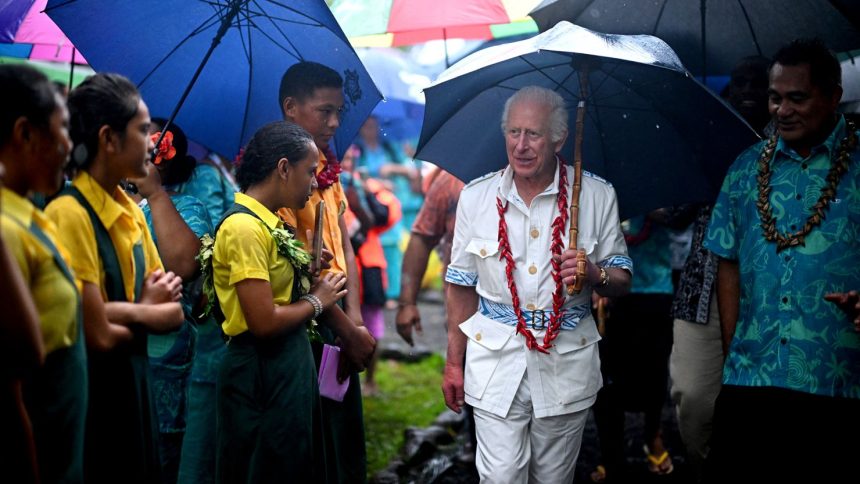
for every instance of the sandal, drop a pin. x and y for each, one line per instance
(660, 465)
(598, 474)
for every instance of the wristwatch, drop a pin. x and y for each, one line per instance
(604, 278)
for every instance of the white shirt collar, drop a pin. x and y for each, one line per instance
(508, 190)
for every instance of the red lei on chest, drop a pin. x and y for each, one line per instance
(330, 174)
(556, 248)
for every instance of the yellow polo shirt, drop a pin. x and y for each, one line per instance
(244, 249)
(303, 219)
(124, 222)
(55, 296)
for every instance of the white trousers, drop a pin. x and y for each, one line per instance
(521, 448)
(696, 368)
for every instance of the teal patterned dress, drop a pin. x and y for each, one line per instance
(171, 355)
(208, 185)
(198, 447)
(787, 335)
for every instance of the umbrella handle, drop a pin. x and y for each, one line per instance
(574, 200)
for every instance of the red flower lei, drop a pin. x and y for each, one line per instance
(330, 174)
(556, 248)
(165, 150)
(633, 240)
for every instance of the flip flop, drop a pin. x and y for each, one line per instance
(660, 465)
(598, 474)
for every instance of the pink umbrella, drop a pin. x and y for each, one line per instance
(31, 27)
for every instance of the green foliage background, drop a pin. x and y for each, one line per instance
(410, 395)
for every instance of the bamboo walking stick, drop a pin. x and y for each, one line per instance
(577, 184)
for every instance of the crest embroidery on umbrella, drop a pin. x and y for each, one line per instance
(351, 86)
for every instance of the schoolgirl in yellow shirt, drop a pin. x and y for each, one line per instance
(124, 289)
(268, 400)
(34, 146)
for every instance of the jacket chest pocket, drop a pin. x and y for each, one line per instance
(484, 351)
(491, 269)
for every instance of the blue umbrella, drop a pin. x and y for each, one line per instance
(220, 61)
(658, 135)
(402, 110)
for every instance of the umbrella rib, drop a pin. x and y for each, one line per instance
(606, 77)
(313, 21)
(294, 52)
(249, 53)
(659, 17)
(208, 23)
(59, 5)
(245, 48)
(203, 26)
(749, 25)
(538, 69)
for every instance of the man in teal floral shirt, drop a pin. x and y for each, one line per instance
(787, 229)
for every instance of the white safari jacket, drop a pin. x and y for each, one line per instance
(567, 379)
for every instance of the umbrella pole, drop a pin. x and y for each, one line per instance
(577, 184)
(72, 70)
(445, 40)
(226, 22)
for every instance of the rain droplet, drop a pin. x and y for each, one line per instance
(658, 126)
(624, 115)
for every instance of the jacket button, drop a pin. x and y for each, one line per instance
(483, 253)
(477, 336)
(532, 270)
(582, 341)
(535, 233)
(531, 307)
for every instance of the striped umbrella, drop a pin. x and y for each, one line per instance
(385, 23)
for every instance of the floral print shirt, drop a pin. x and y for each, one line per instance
(787, 335)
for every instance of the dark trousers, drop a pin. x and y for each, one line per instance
(769, 434)
(634, 358)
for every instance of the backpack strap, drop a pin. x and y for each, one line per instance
(43, 238)
(233, 210)
(215, 310)
(114, 286)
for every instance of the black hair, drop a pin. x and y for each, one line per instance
(303, 78)
(179, 168)
(24, 92)
(824, 69)
(756, 62)
(280, 139)
(102, 99)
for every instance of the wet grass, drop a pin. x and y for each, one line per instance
(409, 396)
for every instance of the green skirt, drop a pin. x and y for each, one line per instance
(121, 429)
(56, 400)
(269, 411)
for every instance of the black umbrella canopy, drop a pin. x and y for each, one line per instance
(651, 129)
(710, 36)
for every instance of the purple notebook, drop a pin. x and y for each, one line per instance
(329, 386)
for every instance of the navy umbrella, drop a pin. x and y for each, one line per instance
(711, 36)
(217, 64)
(658, 135)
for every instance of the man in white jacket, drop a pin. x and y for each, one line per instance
(520, 350)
